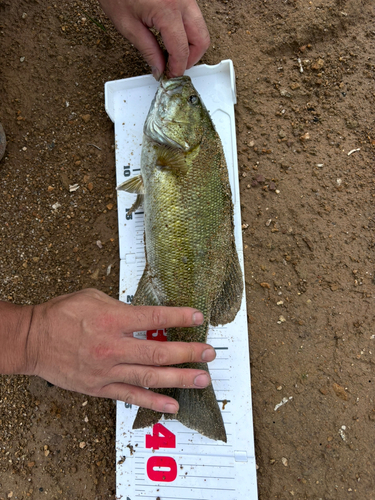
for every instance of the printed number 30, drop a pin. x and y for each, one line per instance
(161, 469)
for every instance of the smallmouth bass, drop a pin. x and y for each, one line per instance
(191, 259)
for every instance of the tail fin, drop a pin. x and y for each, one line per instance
(199, 411)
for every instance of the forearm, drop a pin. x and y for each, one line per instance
(15, 322)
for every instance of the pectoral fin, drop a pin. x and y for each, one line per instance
(228, 302)
(133, 185)
(171, 159)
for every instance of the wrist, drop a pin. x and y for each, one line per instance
(15, 322)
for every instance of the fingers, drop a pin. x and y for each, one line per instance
(146, 43)
(198, 37)
(139, 318)
(172, 30)
(154, 353)
(155, 377)
(180, 23)
(185, 36)
(140, 397)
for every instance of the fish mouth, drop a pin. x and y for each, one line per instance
(157, 120)
(174, 85)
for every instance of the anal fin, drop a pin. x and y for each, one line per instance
(146, 294)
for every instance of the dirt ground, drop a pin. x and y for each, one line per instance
(306, 149)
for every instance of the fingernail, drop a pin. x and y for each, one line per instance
(155, 73)
(202, 380)
(170, 408)
(198, 318)
(208, 355)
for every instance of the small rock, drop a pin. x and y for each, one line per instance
(109, 206)
(272, 186)
(90, 186)
(295, 86)
(284, 461)
(282, 134)
(352, 124)
(95, 274)
(260, 178)
(82, 444)
(265, 285)
(340, 391)
(65, 180)
(86, 118)
(285, 93)
(50, 189)
(305, 137)
(318, 64)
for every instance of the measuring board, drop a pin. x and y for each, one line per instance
(170, 461)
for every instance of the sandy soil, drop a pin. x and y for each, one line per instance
(306, 94)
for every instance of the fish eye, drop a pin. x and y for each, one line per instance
(193, 99)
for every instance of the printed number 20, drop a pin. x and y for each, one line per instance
(161, 469)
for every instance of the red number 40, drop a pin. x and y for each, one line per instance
(161, 469)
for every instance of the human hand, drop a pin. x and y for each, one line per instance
(180, 23)
(84, 342)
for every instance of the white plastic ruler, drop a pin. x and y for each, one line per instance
(170, 461)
